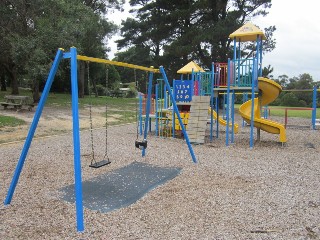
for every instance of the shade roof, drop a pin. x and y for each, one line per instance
(191, 66)
(247, 32)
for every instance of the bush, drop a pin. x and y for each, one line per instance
(132, 93)
(290, 100)
(302, 103)
(101, 90)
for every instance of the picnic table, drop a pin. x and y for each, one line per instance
(17, 102)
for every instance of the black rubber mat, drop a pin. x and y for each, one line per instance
(121, 187)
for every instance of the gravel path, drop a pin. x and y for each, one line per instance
(234, 192)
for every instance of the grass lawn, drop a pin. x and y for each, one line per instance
(6, 121)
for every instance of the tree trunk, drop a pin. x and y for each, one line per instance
(35, 91)
(81, 79)
(14, 81)
(3, 83)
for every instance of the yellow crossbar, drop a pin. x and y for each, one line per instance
(121, 64)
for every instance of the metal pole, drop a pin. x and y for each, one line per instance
(147, 111)
(228, 105)
(76, 139)
(314, 106)
(178, 114)
(33, 126)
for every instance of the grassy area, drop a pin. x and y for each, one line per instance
(275, 111)
(64, 100)
(10, 121)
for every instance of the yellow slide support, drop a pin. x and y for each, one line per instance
(269, 92)
(222, 121)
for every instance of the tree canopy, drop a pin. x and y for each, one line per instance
(174, 32)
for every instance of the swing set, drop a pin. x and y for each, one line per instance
(141, 144)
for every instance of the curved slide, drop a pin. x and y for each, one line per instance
(222, 121)
(269, 92)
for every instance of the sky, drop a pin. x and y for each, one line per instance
(297, 37)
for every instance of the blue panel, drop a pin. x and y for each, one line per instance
(183, 90)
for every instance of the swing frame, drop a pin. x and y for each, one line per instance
(72, 55)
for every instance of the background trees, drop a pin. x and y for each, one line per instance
(32, 31)
(160, 32)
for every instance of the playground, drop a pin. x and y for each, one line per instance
(201, 173)
(268, 192)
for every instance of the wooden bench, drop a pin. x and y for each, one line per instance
(17, 102)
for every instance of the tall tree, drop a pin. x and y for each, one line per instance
(32, 31)
(177, 31)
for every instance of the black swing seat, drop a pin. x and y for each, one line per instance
(141, 144)
(100, 164)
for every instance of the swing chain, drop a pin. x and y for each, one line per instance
(106, 115)
(90, 116)
(138, 144)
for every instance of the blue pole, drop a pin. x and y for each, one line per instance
(232, 115)
(211, 101)
(157, 109)
(228, 105)
(140, 113)
(76, 139)
(33, 126)
(252, 101)
(147, 111)
(314, 106)
(178, 114)
(217, 111)
(260, 73)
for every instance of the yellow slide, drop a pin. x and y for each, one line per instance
(222, 121)
(269, 92)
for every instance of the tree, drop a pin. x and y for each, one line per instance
(32, 31)
(177, 31)
(266, 71)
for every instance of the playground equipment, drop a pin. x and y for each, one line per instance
(74, 57)
(106, 160)
(269, 91)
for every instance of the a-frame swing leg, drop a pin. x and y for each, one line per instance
(33, 126)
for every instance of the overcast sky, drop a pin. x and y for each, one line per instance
(297, 37)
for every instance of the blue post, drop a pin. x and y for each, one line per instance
(147, 111)
(260, 73)
(228, 105)
(33, 126)
(314, 106)
(252, 101)
(217, 111)
(232, 115)
(211, 101)
(178, 114)
(76, 139)
(157, 109)
(244, 99)
(140, 112)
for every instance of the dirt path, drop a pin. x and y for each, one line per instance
(53, 121)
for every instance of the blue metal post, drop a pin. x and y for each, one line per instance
(76, 139)
(33, 126)
(232, 115)
(260, 72)
(217, 111)
(140, 112)
(211, 101)
(314, 106)
(228, 104)
(147, 111)
(178, 114)
(157, 109)
(252, 101)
